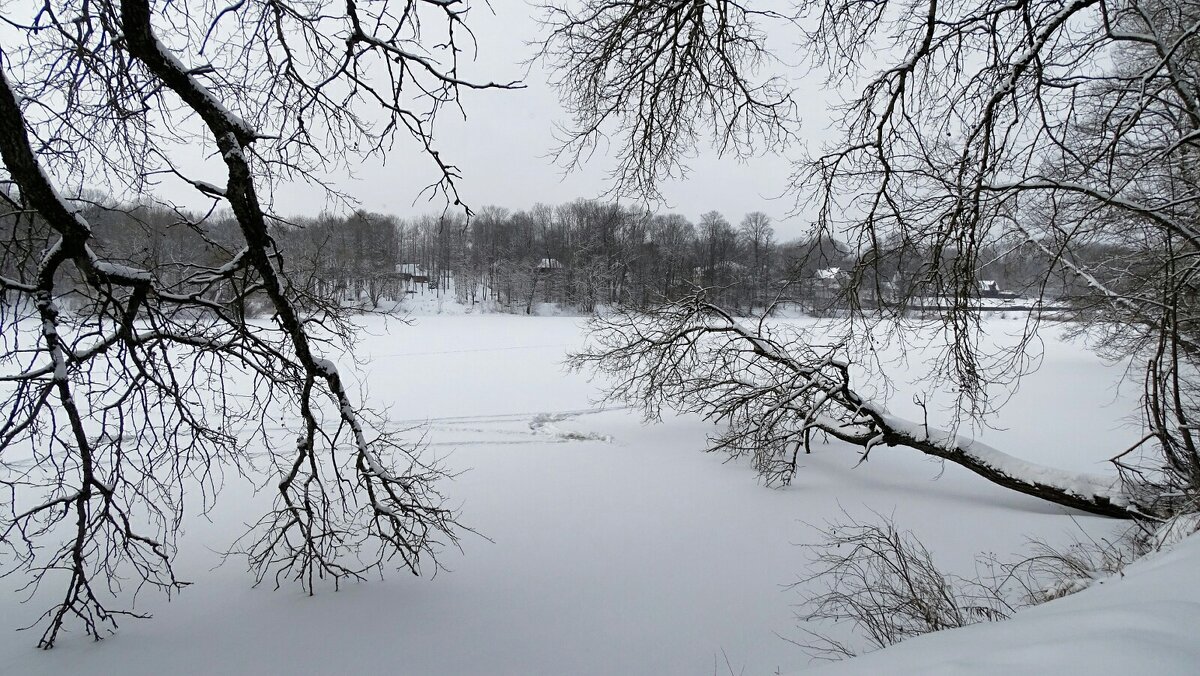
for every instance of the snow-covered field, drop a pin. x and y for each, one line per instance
(618, 548)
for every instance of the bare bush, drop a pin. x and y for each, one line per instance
(883, 581)
(1050, 572)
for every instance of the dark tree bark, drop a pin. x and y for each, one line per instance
(773, 395)
(124, 408)
(1056, 129)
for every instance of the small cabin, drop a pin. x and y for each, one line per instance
(828, 284)
(407, 271)
(549, 265)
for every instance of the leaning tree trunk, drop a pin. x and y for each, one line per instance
(695, 357)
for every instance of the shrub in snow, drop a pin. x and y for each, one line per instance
(885, 584)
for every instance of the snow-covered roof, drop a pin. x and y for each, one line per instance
(829, 273)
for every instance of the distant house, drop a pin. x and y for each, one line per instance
(989, 288)
(721, 272)
(411, 274)
(407, 271)
(549, 265)
(828, 284)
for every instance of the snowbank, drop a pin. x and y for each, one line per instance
(1144, 622)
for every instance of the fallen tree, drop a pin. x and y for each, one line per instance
(1066, 133)
(773, 395)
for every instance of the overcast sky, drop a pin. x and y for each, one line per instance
(502, 146)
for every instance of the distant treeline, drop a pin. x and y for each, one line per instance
(580, 254)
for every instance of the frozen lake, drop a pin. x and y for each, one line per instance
(606, 546)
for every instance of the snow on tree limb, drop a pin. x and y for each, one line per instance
(695, 357)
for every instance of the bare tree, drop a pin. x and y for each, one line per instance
(673, 238)
(659, 73)
(758, 239)
(115, 410)
(885, 582)
(1064, 129)
(718, 250)
(775, 392)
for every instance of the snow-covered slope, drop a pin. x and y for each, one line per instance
(1142, 623)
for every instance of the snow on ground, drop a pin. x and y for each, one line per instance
(618, 548)
(1144, 622)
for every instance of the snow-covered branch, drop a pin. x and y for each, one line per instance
(774, 396)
